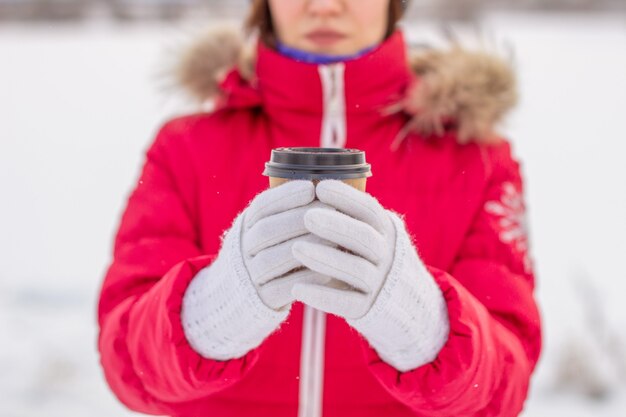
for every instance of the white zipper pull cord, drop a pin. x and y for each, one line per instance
(333, 133)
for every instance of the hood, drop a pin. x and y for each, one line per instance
(472, 88)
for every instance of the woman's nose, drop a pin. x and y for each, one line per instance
(325, 7)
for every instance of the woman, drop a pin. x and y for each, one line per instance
(204, 310)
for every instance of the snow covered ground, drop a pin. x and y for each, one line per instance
(79, 104)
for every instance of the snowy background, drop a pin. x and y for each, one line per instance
(80, 102)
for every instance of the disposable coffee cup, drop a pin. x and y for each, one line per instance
(316, 164)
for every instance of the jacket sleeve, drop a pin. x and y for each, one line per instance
(146, 358)
(494, 342)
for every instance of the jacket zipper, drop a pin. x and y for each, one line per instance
(333, 135)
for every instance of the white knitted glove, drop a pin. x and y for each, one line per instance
(232, 305)
(380, 285)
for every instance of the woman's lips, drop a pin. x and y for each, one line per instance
(325, 37)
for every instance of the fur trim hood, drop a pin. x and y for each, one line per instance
(474, 88)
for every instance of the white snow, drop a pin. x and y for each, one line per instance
(80, 103)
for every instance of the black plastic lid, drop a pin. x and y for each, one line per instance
(317, 163)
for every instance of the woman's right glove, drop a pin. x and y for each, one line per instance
(232, 305)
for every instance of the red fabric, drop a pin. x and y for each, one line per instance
(202, 169)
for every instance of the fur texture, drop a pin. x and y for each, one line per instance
(474, 88)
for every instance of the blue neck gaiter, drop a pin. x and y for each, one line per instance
(315, 58)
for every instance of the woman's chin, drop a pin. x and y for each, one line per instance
(327, 49)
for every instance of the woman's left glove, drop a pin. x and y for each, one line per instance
(380, 285)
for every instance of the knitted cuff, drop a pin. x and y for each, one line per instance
(408, 323)
(222, 315)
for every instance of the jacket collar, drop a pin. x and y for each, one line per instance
(471, 90)
(323, 102)
(370, 82)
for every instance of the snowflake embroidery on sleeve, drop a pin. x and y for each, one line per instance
(512, 221)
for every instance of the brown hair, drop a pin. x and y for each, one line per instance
(260, 19)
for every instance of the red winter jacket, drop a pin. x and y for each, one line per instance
(462, 204)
